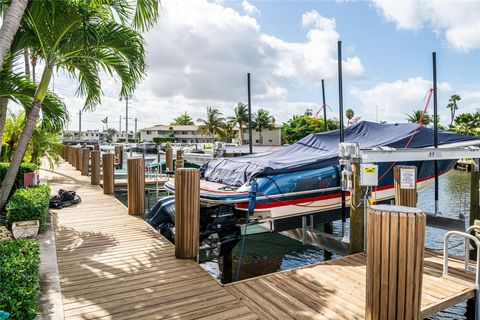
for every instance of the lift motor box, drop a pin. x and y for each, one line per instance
(368, 175)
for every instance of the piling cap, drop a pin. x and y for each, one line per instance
(394, 208)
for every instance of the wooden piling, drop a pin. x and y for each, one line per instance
(395, 249)
(78, 158)
(119, 157)
(180, 162)
(95, 167)
(85, 161)
(169, 159)
(136, 186)
(96, 147)
(356, 213)
(187, 213)
(405, 183)
(108, 173)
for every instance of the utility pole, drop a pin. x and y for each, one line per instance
(126, 118)
(120, 125)
(135, 130)
(80, 124)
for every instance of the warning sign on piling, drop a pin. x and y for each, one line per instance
(407, 178)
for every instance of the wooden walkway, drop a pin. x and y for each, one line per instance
(115, 266)
(336, 289)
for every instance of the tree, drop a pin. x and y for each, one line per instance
(105, 122)
(110, 134)
(83, 39)
(45, 142)
(240, 119)
(11, 22)
(214, 123)
(416, 115)
(262, 120)
(467, 123)
(349, 114)
(300, 126)
(183, 120)
(452, 105)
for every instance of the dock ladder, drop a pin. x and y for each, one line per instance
(466, 236)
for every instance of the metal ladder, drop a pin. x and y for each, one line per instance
(466, 236)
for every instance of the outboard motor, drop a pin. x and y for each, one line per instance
(162, 216)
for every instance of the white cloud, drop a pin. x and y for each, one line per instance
(458, 20)
(250, 8)
(401, 97)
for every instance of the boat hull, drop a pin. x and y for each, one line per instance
(307, 192)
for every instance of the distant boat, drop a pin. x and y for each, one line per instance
(304, 178)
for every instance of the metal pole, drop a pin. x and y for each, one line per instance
(135, 130)
(120, 125)
(435, 125)
(80, 125)
(342, 138)
(126, 118)
(250, 142)
(324, 106)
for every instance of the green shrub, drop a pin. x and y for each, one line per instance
(24, 168)
(29, 204)
(19, 278)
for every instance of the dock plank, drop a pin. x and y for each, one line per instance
(115, 266)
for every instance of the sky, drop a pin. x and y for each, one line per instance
(200, 52)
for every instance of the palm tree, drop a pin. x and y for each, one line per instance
(349, 114)
(105, 122)
(83, 39)
(416, 115)
(11, 21)
(453, 106)
(214, 123)
(262, 120)
(183, 120)
(240, 118)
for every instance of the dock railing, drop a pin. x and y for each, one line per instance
(466, 236)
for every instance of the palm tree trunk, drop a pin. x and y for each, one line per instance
(27, 63)
(3, 119)
(22, 144)
(10, 25)
(17, 158)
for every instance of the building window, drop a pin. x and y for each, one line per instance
(257, 130)
(257, 141)
(270, 140)
(149, 132)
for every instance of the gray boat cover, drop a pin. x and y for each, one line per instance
(320, 150)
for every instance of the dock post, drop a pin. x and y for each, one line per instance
(119, 157)
(136, 186)
(78, 158)
(180, 163)
(108, 173)
(85, 161)
(405, 182)
(96, 147)
(169, 159)
(95, 167)
(187, 210)
(356, 213)
(395, 249)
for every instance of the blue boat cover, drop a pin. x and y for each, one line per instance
(319, 150)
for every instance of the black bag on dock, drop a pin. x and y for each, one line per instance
(64, 199)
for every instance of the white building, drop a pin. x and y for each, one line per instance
(95, 136)
(182, 134)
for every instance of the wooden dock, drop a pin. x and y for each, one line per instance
(115, 266)
(336, 289)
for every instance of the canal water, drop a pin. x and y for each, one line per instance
(265, 253)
